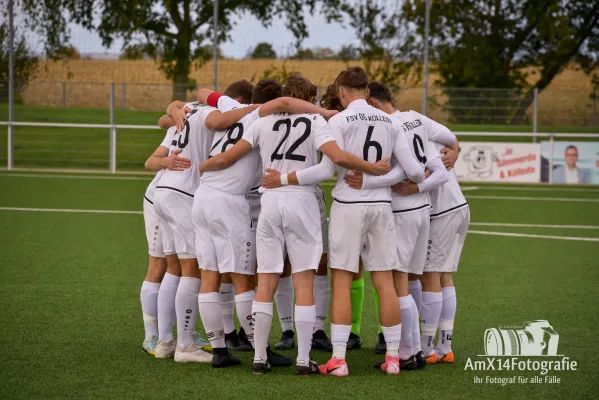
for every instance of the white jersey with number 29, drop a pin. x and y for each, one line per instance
(289, 142)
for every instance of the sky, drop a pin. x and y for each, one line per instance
(245, 35)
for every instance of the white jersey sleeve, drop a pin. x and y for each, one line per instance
(166, 142)
(436, 132)
(396, 175)
(437, 177)
(226, 103)
(324, 170)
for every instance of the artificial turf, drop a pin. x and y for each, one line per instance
(71, 325)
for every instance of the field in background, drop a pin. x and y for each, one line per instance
(88, 148)
(566, 101)
(71, 319)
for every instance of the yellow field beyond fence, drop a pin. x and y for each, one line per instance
(566, 101)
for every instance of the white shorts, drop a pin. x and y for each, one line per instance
(175, 209)
(153, 231)
(412, 229)
(364, 231)
(322, 206)
(289, 220)
(446, 240)
(224, 240)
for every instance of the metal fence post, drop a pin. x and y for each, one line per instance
(594, 121)
(124, 98)
(551, 149)
(11, 85)
(112, 159)
(64, 94)
(535, 116)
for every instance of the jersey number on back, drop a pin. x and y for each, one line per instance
(184, 136)
(289, 153)
(419, 149)
(372, 143)
(231, 138)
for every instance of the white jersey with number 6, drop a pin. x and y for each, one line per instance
(289, 142)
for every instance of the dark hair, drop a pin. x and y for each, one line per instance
(572, 147)
(330, 99)
(242, 90)
(299, 87)
(267, 90)
(353, 78)
(380, 92)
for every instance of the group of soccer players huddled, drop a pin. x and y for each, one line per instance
(236, 222)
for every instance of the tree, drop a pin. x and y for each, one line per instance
(323, 53)
(263, 50)
(348, 53)
(488, 44)
(180, 28)
(304, 54)
(67, 52)
(25, 63)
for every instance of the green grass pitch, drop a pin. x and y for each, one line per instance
(71, 325)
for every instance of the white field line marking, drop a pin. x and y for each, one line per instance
(535, 225)
(120, 178)
(575, 199)
(69, 210)
(534, 189)
(582, 239)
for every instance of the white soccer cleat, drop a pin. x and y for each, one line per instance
(165, 349)
(193, 353)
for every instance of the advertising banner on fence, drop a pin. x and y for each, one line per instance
(573, 162)
(499, 162)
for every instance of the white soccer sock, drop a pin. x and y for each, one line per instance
(446, 320)
(227, 306)
(149, 308)
(405, 346)
(392, 338)
(339, 339)
(305, 318)
(321, 300)
(284, 300)
(431, 311)
(186, 304)
(415, 327)
(243, 303)
(166, 307)
(415, 289)
(262, 315)
(212, 318)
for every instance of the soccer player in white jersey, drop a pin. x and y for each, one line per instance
(157, 265)
(289, 220)
(411, 213)
(225, 242)
(173, 202)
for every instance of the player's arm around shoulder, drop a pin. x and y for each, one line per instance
(161, 159)
(218, 121)
(224, 160)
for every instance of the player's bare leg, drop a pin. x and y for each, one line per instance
(166, 308)
(305, 318)
(432, 302)
(389, 317)
(149, 302)
(262, 311)
(320, 341)
(443, 348)
(284, 301)
(186, 304)
(212, 318)
(357, 302)
(341, 318)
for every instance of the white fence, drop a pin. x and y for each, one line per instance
(122, 147)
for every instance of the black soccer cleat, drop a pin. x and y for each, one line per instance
(277, 360)
(320, 341)
(222, 358)
(420, 360)
(310, 369)
(233, 342)
(260, 368)
(243, 338)
(381, 345)
(287, 341)
(354, 342)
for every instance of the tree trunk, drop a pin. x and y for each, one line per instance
(180, 85)
(527, 100)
